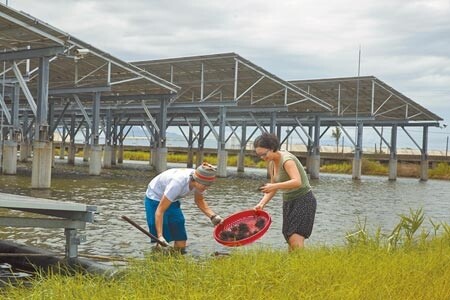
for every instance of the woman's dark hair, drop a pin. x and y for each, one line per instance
(268, 141)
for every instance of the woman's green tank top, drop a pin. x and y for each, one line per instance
(282, 175)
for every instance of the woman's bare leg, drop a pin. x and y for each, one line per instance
(296, 241)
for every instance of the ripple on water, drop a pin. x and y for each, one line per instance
(341, 202)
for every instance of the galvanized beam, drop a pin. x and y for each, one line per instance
(41, 222)
(80, 90)
(31, 53)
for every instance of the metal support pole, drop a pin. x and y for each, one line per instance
(241, 158)
(95, 153)
(357, 160)
(161, 151)
(107, 150)
(190, 160)
(393, 154)
(424, 155)
(42, 147)
(315, 156)
(222, 153)
(273, 122)
(72, 242)
(201, 140)
(41, 130)
(446, 148)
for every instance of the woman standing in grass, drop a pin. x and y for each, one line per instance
(162, 202)
(288, 175)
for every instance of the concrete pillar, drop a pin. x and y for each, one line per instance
(424, 170)
(241, 161)
(222, 159)
(30, 149)
(53, 154)
(120, 155)
(392, 169)
(9, 164)
(161, 160)
(308, 162)
(153, 157)
(200, 155)
(356, 168)
(42, 165)
(114, 155)
(71, 154)
(62, 150)
(314, 166)
(86, 152)
(95, 161)
(24, 151)
(190, 158)
(107, 154)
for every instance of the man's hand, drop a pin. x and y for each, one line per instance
(216, 219)
(163, 242)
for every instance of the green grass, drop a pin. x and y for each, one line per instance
(342, 168)
(182, 158)
(441, 171)
(368, 167)
(367, 267)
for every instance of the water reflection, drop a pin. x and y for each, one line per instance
(120, 192)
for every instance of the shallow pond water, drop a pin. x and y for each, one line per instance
(120, 191)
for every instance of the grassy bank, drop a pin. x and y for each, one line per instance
(407, 263)
(369, 167)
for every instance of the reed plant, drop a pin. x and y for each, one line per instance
(183, 158)
(136, 155)
(369, 266)
(404, 235)
(369, 167)
(441, 171)
(373, 167)
(340, 168)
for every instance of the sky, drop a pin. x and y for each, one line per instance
(406, 44)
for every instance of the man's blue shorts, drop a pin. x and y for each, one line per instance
(173, 220)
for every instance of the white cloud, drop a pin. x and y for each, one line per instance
(404, 43)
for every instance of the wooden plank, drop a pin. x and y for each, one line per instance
(18, 201)
(41, 222)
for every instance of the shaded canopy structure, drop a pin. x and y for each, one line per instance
(53, 82)
(368, 97)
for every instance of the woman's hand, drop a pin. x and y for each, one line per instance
(268, 188)
(259, 206)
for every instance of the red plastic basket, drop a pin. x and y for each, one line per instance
(229, 232)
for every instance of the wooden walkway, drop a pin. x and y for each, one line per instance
(68, 215)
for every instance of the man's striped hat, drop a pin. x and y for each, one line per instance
(205, 174)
